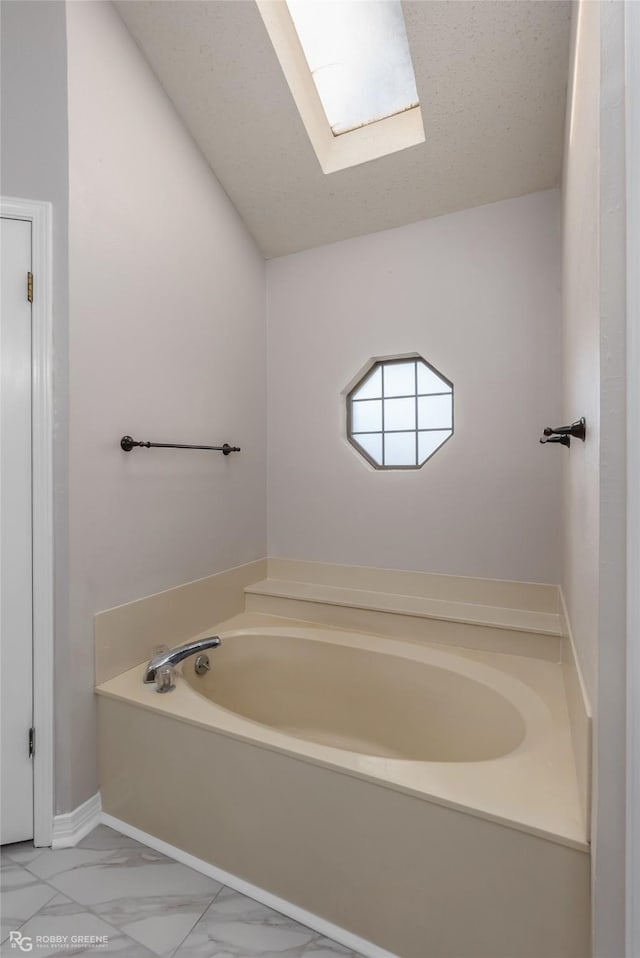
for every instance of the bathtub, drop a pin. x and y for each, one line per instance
(376, 784)
(325, 690)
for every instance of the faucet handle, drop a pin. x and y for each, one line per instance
(164, 679)
(202, 664)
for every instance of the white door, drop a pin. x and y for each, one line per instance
(16, 634)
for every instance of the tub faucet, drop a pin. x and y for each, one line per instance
(173, 656)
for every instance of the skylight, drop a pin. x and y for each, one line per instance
(358, 54)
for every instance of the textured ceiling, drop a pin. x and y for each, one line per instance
(491, 76)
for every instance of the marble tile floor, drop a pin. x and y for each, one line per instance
(143, 902)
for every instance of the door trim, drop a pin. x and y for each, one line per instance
(40, 215)
(632, 104)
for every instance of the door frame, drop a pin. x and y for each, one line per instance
(632, 124)
(40, 215)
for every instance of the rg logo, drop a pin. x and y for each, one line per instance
(23, 942)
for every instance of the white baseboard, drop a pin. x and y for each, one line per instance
(326, 928)
(68, 829)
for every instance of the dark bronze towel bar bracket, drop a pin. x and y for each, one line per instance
(563, 434)
(127, 443)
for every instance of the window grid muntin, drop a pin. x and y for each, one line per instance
(384, 445)
(351, 400)
(448, 392)
(415, 383)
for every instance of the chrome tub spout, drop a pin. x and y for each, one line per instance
(173, 656)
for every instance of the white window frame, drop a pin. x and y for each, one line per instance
(40, 215)
(354, 386)
(334, 153)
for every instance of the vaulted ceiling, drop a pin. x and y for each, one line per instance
(491, 77)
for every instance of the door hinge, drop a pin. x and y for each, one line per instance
(32, 742)
(30, 287)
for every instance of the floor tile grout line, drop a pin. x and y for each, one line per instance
(121, 932)
(219, 892)
(179, 945)
(118, 933)
(58, 891)
(42, 849)
(199, 918)
(39, 881)
(90, 909)
(77, 847)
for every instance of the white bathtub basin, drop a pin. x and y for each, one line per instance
(360, 700)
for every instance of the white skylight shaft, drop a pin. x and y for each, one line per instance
(358, 54)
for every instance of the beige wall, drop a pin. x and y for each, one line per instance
(167, 343)
(593, 576)
(478, 294)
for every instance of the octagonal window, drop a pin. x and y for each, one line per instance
(400, 413)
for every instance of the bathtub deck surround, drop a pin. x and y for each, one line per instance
(502, 593)
(127, 634)
(580, 717)
(298, 811)
(500, 616)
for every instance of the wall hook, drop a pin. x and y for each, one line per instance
(563, 440)
(563, 434)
